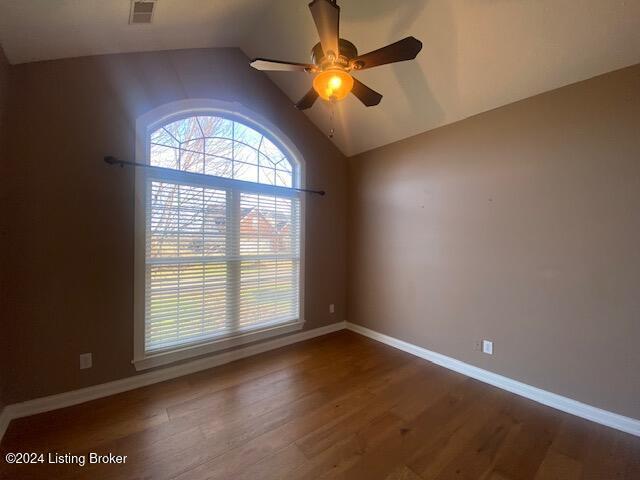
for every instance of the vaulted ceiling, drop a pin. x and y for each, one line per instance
(477, 55)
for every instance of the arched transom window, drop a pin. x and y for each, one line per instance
(222, 238)
(221, 147)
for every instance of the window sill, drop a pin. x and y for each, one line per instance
(182, 353)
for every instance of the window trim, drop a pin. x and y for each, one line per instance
(146, 124)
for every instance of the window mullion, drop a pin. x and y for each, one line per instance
(204, 263)
(233, 264)
(180, 270)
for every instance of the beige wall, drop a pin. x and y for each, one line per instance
(4, 98)
(71, 216)
(520, 225)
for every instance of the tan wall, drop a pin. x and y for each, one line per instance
(71, 216)
(520, 225)
(4, 99)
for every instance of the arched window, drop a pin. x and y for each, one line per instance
(215, 145)
(222, 237)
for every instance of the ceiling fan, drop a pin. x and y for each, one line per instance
(334, 58)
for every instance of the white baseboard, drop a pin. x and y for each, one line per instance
(568, 405)
(74, 397)
(4, 421)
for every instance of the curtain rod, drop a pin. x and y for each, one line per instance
(116, 161)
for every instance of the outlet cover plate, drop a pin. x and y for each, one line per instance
(86, 361)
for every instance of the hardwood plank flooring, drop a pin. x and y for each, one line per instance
(340, 406)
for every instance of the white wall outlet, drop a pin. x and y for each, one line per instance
(487, 347)
(86, 361)
(332, 308)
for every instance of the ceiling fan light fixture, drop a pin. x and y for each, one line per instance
(331, 69)
(333, 84)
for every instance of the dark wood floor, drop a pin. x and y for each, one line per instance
(339, 406)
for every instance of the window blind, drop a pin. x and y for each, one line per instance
(218, 262)
(221, 258)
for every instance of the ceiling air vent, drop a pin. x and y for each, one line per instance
(141, 11)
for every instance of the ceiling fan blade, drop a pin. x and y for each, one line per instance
(278, 65)
(308, 100)
(366, 95)
(405, 49)
(326, 15)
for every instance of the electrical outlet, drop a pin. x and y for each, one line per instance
(332, 308)
(487, 347)
(86, 361)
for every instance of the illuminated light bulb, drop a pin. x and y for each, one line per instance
(333, 84)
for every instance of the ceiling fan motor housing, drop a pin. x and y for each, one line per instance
(348, 51)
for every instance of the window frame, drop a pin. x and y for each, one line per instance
(145, 125)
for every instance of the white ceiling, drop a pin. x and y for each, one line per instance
(477, 55)
(32, 30)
